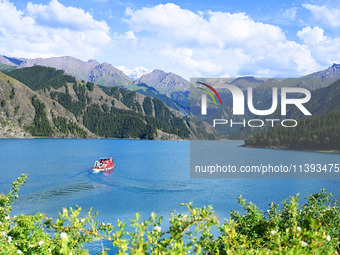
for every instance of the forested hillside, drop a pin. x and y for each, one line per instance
(109, 112)
(39, 77)
(320, 132)
(25, 113)
(323, 100)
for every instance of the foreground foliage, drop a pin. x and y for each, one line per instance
(312, 228)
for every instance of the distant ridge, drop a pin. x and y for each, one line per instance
(102, 74)
(329, 73)
(170, 88)
(105, 74)
(9, 61)
(165, 83)
(169, 84)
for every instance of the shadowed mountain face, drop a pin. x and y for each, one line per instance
(9, 61)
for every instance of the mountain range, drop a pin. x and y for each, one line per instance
(158, 83)
(43, 101)
(169, 88)
(100, 73)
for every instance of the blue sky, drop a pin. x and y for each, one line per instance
(191, 38)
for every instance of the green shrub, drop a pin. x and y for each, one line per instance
(89, 85)
(310, 229)
(11, 96)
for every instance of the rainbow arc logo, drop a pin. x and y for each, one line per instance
(204, 97)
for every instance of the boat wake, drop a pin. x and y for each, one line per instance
(62, 191)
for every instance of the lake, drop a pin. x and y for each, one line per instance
(150, 176)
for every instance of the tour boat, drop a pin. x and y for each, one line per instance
(104, 164)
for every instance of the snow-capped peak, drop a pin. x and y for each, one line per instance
(135, 73)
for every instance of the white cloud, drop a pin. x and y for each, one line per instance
(326, 15)
(57, 15)
(312, 35)
(128, 41)
(286, 59)
(185, 57)
(50, 30)
(325, 49)
(221, 43)
(290, 14)
(184, 26)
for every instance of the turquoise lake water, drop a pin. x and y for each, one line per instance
(150, 176)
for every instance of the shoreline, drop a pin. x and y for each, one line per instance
(285, 148)
(92, 138)
(115, 138)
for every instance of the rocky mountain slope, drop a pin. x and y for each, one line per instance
(170, 88)
(17, 112)
(165, 83)
(331, 72)
(169, 84)
(105, 74)
(47, 102)
(99, 73)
